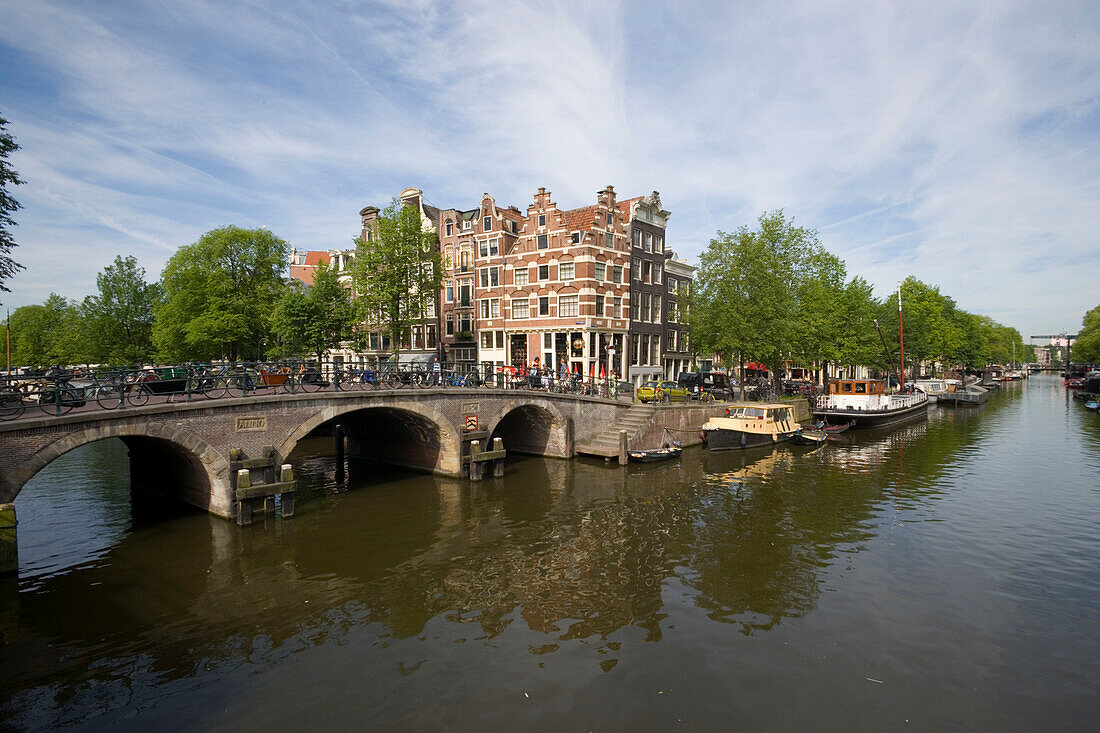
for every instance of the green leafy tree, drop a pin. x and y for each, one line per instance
(8, 205)
(219, 295)
(47, 334)
(857, 339)
(931, 327)
(119, 319)
(317, 318)
(397, 273)
(1087, 346)
(767, 294)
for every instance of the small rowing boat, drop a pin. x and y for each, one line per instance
(656, 454)
(810, 437)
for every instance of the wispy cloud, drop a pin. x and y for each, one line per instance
(954, 142)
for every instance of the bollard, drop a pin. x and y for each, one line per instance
(244, 506)
(339, 436)
(9, 547)
(286, 476)
(623, 456)
(498, 464)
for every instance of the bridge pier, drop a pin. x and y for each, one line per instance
(9, 549)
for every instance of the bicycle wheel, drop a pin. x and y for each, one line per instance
(137, 395)
(11, 406)
(707, 398)
(345, 381)
(50, 404)
(109, 398)
(307, 383)
(235, 385)
(212, 387)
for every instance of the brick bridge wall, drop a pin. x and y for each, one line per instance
(188, 443)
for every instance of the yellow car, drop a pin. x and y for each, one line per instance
(662, 392)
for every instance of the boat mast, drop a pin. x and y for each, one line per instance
(889, 354)
(901, 343)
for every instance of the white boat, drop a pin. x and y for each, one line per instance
(865, 404)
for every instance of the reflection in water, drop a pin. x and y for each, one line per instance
(576, 566)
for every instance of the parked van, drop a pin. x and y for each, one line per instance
(698, 383)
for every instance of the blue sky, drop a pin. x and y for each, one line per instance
(952, 141)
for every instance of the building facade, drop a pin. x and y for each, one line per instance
(592, 290)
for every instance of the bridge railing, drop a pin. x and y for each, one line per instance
(59, 391)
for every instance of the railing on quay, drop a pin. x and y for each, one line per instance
(59, 391)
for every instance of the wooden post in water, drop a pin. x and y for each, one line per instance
(339, 433)
(9, 548)
(244, 506)
(286, 499)
(624, 457)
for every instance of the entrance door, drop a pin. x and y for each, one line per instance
(519, 349)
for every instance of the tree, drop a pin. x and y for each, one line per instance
(397, 272)
(767, 294)
(1087, 347)
(8, 205)
(47, 334)
(317, 318)
(120, 318)
(930, 323)
(219, 295)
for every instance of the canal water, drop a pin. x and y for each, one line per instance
(940, 575)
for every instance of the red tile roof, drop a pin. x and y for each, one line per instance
(306, 271)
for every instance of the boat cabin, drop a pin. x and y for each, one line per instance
(857, 386)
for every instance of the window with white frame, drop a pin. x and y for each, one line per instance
(544, 306)
(616, 308)
(647, 243)
(636, 268)
(636, 237)
(599, 306)
(600, 269)
(490, 308)
(519, 276)
(486, 339)
(673, 284)
(575, 237)
(657, 272)
(617, 274)
(489, 277)
(450, 325)
(487, 224)
(658, 243)
(521, 308)
(670, 341)
(450, 228)
(673, 312)
(542, 220)
(656, 315)
(466, 224)
(450, 292)
(544, 272)
(566, 270)
(568, 306)
(645, 307)
(543, 241)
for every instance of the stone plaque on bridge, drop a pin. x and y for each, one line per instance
(471, 408)
(251, 424)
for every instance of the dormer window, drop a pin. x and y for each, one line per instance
(487, 224)
(466, 225)
(576, 238)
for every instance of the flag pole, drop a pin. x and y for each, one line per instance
(901, 343)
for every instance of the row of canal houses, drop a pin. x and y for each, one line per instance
(590, 290)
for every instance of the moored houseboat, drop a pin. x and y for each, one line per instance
(749, 426)
(865, 404)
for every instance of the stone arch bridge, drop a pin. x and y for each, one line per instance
(191, 442)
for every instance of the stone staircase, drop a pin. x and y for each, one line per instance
(606, 444)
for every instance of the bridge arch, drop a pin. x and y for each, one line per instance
(410, 432)
(156, 452)
(533, 425)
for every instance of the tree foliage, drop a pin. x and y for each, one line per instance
(314, 319)
(48, 334)
(219, 295)
(1087, 347)
(774, 293)
(397, 273)
(8, 205)
(119, 319)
